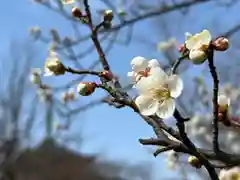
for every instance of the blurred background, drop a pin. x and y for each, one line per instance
(47, 136)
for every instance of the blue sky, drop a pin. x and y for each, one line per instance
(113, 132)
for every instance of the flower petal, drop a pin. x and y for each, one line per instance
(223, 100)
(175, 85)
(159, 75)
(197, 56)
(153, 63)
(139, 64)
(132, 77)
(130, 74)
(166, 109)
(191, 42)
(145, 84)
(187, 35)
(205, 37)
(147, 105)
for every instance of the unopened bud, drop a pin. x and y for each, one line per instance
(86, 88)
(197, 56)
(76, 12)
(181, 48)
(223, 103)
(224, 119)
(108, 15)
(53, 65)
(193, 161)
(221, 44)
(107, 75)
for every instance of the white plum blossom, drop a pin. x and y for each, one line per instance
(141, 67)
(198, 45)
(53, 65)
(157, 93)
(230, 174)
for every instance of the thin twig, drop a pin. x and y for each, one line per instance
(177, 63)
(80, 72)
(164, 149)
(215, 98)
(193, 150)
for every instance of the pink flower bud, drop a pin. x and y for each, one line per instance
(107, 75)
(76, 12)
(221, 44)
(181, 48)
(86, 88)
(193, 161)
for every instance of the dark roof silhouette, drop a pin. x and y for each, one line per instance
(52, 162)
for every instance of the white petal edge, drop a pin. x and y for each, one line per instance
(132, 76)
(187, 35)
(197, 57)
(139, 63)
(223, 100)
(175, 85)
(166, 109)
(147, 105)
(144, 85)
(205, 37)
(153, 63)
(191, 42)
(159, 75)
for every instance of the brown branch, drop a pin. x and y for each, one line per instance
(81, 72)
(214, 99)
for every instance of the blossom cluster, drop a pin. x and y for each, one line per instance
(157, 89)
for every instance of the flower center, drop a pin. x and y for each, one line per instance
(204, 47)
(162, 94)
(235, 176)
(143, 74)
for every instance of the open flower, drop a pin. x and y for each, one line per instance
(141, 68)
(157, 93)
(230, 174)
(198, 45)
(53, 65)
